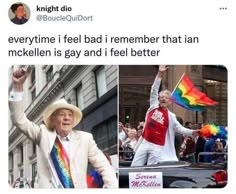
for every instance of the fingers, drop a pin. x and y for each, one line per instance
(19, 76)
(14, 79)
(163, 68)
(22, 72)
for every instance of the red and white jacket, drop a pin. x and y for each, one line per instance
(168, 153)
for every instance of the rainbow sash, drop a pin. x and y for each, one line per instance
(61, 163)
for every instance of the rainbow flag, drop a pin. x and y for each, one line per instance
(61, 163)
(187, 96)
(94, 180)
(213, 131)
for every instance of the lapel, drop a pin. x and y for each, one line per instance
(51, 138)
(169, 120)
(169, 129)
(74, 144)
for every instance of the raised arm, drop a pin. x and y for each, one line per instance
(17, 110)
(156, 85)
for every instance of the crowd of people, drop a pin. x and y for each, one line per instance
(187, 147)
(128, 138)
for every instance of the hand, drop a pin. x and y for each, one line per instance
(121, 126)
(19, 76)
(162, 68)
(195, 133)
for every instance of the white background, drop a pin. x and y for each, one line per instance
(203, 18)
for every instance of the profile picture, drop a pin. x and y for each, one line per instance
(19, 13)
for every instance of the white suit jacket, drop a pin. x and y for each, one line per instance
(168, 153)
(82, 149)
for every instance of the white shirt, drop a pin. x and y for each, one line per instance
(16, 96)
(66, 143)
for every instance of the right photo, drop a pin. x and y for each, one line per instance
(173, 126)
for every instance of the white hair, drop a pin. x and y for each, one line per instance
(165, 92)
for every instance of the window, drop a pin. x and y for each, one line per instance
(34, 173)
(11, 161)
(21, 173)
(79, 97)
(105, 134)
(216, 90)
(101, 136)
(34, 149)
(101, 81)
(112, 132)
(33, 75)
(20, 155)
(11, 179)
(32, 87)
(21, 180)
(33, 94)
(49, 74)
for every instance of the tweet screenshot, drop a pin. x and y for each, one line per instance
(115, 95)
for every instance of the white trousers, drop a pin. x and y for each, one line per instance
(147, 153)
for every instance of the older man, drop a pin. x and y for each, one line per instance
(63, 152)
(157, 142)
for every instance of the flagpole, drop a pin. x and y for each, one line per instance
(196, 117)
(177, 84)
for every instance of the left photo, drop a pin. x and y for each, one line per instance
(63, 126)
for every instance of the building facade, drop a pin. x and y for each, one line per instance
(93, 88)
